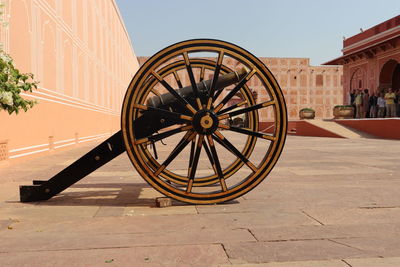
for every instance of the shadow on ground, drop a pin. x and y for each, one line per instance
(102, 194)
(109, 194)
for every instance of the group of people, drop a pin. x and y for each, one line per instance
(384, 104)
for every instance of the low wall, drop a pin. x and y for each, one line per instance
(303, 128)
(300, 127)
(387, 128)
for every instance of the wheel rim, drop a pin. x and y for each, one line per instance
(232, 168)
(206, 113)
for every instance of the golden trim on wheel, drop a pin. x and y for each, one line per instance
(158, 175)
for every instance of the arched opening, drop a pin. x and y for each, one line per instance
(356, 81)
(390, 75)
(396, 78)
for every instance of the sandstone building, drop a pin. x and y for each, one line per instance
(371, 59)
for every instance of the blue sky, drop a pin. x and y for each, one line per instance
(286, 28)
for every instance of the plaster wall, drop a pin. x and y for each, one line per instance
(82, 56)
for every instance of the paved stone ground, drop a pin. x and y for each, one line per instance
(328, 202)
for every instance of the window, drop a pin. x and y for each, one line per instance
(319, 80)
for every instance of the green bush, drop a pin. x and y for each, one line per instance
(12, 84)
(343, 106)
(307, 109)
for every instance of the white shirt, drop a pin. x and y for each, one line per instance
(381, 102)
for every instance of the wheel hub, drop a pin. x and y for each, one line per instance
(205, 121)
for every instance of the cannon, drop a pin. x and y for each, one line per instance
(184, 96)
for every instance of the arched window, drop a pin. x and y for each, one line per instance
(389, 75)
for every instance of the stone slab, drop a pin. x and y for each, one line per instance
(384, 246)
(260, 252)
(304, 232)
(374, 262)
(189, 255)
(42, 240)
(356, 215)
(327, 263)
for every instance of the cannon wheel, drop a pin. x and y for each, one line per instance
(207, 129)
(202, 65)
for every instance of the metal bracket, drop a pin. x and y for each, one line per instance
(97, 157)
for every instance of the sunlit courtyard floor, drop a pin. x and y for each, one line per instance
(328, 202)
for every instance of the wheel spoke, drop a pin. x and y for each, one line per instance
(232, 107)
(251, 108)
(202, 72)
(180, 99)
(154, 91)
(192, 148)
(222, 144)
(228, 145)
(186, 136)
(235, 90)
(249, 132)
(216, 163)
(215, 79)
(178, 81)
(210, 158)
(217, 94)
(195, 162)
(160, 136)
(153, 145)
(181, 145)
(208, 152)
(192, 80)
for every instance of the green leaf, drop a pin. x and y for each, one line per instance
(14, 82)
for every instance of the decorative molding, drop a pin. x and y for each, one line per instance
(68, 104)
(74, 99)
(372, 38)
(50, 145)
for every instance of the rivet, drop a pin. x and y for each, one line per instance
(97, 158)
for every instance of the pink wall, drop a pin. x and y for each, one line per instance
(82, 55)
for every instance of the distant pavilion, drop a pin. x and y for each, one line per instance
(371, 59)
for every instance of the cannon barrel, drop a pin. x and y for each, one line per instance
(222, 82)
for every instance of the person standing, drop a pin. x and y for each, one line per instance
(398, 103)
(390, 106)
(381, 106)
(358, 102)
(365, 103)
(352, 100)
(373, 102)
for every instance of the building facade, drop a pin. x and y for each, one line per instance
(371, 59)
(304, 86)
(81, 54)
